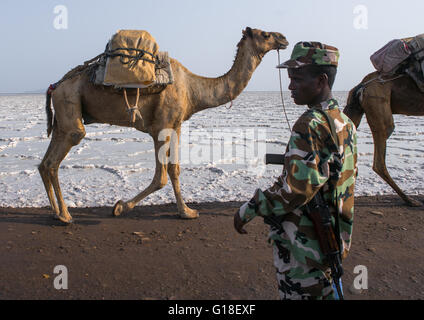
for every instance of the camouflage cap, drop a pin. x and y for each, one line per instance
(310, 52)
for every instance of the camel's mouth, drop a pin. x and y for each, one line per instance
(283, 44)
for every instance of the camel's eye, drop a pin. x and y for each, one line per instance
(265, 35)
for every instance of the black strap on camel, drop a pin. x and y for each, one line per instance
(132, 60)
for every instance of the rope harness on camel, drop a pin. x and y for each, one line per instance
(133, 111)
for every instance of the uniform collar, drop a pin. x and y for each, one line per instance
(327, 105)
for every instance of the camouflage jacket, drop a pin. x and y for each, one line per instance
(312, 161)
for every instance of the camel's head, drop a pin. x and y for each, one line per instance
(263, 41)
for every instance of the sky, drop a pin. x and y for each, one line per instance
(38, 48)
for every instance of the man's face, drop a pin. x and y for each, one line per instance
(305, 89)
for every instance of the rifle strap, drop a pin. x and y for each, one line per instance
(335, 137)
(332, 125)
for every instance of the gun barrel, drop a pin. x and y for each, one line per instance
(272, 158)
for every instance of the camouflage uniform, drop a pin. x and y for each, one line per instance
(312, 161)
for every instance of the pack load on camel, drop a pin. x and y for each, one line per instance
(131, 61)
(402, 56)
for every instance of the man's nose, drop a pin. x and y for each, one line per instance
(292, 86)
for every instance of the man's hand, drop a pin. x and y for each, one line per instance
(238, 223)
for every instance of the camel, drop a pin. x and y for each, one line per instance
(379, 99)
(76, 99)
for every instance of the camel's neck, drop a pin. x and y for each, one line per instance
(213, 92)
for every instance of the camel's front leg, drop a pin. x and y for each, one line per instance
(158, 182)
(184, 211)
(174, 173)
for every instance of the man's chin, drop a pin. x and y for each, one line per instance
(297, 101)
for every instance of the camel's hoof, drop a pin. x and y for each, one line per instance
(414, 203)
(118, 209)
(65, 220)
(189, 214)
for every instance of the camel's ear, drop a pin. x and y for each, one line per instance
(248, 32)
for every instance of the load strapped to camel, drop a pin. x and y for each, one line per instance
(402, 56)
(132, 60)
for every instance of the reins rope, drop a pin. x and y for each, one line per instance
(281, 92)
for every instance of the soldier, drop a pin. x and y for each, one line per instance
(312, 162)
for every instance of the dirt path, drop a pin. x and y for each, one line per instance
(151, 254)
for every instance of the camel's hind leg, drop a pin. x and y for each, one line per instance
(67, 132)
(382, 127)
(60, 146)
(44, 173)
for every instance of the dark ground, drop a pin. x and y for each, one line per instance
(151, 254)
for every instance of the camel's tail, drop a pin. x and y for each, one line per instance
(353, 108)
(49, 111)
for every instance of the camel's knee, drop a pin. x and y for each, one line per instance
(174, 170)
(48, 168)
(42, 169)
(76, 137)
(52, 172)
(45, 166)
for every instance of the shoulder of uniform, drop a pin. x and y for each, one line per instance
(311, 119)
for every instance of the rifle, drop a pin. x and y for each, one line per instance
(329, 243)
(272, 158)
(320, 215)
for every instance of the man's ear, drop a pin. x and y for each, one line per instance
(323, 80)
